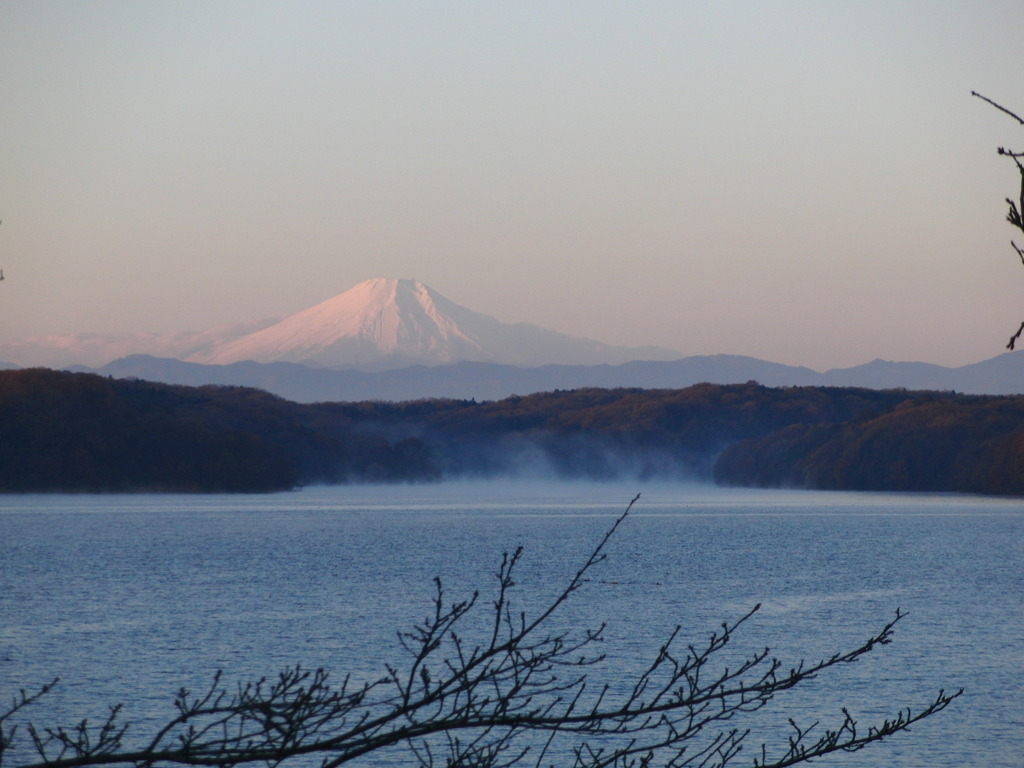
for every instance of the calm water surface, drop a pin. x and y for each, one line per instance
(128, 598)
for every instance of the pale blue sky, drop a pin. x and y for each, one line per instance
(807, 182)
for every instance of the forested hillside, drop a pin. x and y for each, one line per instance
(607, 433)
(971, 444)
(82, 432)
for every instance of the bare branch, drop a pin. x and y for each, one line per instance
(1015, 208)
(1013, 339)
(1019, 250)
(998, 106)
(19, 702)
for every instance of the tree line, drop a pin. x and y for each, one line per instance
(81, 432)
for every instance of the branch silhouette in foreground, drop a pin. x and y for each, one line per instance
(1015, 211)
(519, 695)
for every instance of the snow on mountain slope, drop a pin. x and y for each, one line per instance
(387, 323)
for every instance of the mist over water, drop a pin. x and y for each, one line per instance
(127, 598)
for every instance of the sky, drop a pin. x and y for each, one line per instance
(805, 182)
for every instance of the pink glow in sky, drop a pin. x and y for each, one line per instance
(806, 182)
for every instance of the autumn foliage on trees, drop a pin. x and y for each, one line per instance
(967, 444)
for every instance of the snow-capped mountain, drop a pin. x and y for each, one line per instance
(387, 323)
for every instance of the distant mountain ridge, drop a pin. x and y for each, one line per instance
(388, 339)
(387, 323)
(1002, 375)
(378, 324)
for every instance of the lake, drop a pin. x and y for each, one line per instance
(129, 598)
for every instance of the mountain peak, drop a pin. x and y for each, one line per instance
(390, 323)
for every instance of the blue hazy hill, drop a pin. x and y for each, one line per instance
(1001, 375)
